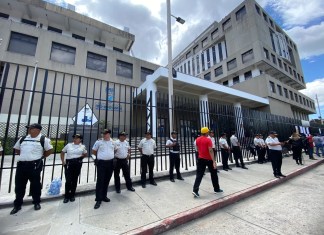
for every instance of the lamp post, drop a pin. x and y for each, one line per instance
(31, 92)
(170, 78)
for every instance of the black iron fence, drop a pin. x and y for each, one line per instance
(66, 104)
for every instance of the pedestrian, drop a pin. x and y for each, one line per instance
(237, 151)
(296, 146)
(103, 149)
(31, 150)
(122, 156)
(225, 150)
(275, 153)
(310, 144)
(259, 149)
(72, 156)
(318, 144)
(205, 158)
(146, 147)
(263, 150)
(174, 155)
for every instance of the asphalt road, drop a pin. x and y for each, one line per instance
(295, 207)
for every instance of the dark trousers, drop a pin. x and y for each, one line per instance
(147, 160)
(174, 162)
(261, 154)
(201, 166)
(276, 161)
(72, 172)
(311, 152)
(238, 156)
(123, 165)
(225, 155)
(105, 169)
(28, 171)
(297, 152)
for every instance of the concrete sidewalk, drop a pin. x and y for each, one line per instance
(147, 211)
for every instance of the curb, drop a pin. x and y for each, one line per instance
(197, 212)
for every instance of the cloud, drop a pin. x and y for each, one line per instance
(314, 88)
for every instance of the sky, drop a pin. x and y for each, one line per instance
(302, 20)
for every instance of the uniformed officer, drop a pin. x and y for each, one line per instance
(103, 149)
(224, 151)
(237, 152)
(74, 154)
(174, 155)
(122, 155)
(146, 148)
(30, 164)
(258, 147)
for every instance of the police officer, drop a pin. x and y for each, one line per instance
(174, 155)
(103, 149)
(146, 148)
(122, 155)
(29, 166)
(224, 151)
(237, 152)
(74, 154)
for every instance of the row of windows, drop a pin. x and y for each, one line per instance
(283, 65)
(291, 95)
(26, 44)
(236, 79)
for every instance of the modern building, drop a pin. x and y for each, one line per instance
(248, 51)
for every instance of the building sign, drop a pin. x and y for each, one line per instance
(110, 105)
(85, 116)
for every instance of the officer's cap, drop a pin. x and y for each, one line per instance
(77, 136)
(148, 133)
(174, 132)
(273, 133)
(106, 131)
(123, 133)
(35, 125)
(223, 134)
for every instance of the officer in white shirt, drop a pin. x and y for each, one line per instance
(258, 147)
(237, 152)
(31, 149)
(174, 155)
(103, 149)
(275, 153)
(146, 148)
(263, 149)
(225, 150)
(72, 156)
(122, 155)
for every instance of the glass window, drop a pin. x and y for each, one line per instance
(304, 100)
(189, 67)
(207, 76)
(101, 44)
(236, 80)
(274, 60)
(231, 64)
(22, 43)
(78, 37)
(208, 58)
(62, 53)
(53, 29)
(188, 54)
(258, 9)
(285, 65)
(241, 13)
(124, 69)
(290, 70)
(247, 56)
(97, 62)
(272, 87)
(280, 63)
(214, 34)
(3, 15)
(279, 90)
(296, 97)
(198, 64)
(265, 17)
(195, 50)
(286, 93)
(214, 54)
(271, 23)
(117, 49)
(225, 83)
(227, 24)
(291, 95)
(295, 74)
(30, 22)
(145, 72)
(248, 75)
(203, 61)
(220, 51)
(266, 53)
(218, 71)
(204, 42)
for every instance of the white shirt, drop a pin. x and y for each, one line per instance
(262, 142)
(74, 150)
(170, 142)
(257, 142)
(213, 141)
(234, 141)
(275, 140)
(121, 149)
(223, 142)
(31, 148)
(105, 149)
(195, 146)
(147, 146)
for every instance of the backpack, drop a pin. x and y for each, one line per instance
(42, 140)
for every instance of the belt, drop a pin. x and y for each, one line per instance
(147, 155)
(105, 160)
(29, 162)
(74, 159)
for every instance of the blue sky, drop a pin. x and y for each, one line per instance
(302, 20)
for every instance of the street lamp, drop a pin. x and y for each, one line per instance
(170, 78)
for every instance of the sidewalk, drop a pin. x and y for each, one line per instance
(147, 211)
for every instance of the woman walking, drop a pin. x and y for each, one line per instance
(296, 146)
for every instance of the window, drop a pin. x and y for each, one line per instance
(204, 42)
(304, 100)
(96, 62)
(231, 64)
(279, 90)
(30, 22)
(195, 49)
(265, 17)
(227, 24)
(300, 100)
(290, 70)
(240, 13)
(185, 68)
(62, 53)
(188, 54)
(202, 62)
(247, 56)
(214, 34)
(225, 83)
(207, 76)
(280, 63)
(117, 49)
(286, 93)
(78, 37)
(298, 77)
(198, 65)
(145, 72)
(3, 15)
(296, 97)
(307, 102)
(285, 65)
(124, 69)
(271, 23)
(266, 53)
(236, 80)
(22, 43)
(258, 9)
(189, 67)
(295, 74)
(272, 87)
(302, 78)
(291, 95)
(248, 75)
(218, 71)
(214, 54)
(56, 30)
(274, 60)
(101, 44)
(220, 51)
(208, 58)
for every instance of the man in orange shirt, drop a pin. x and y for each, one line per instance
(205, 158)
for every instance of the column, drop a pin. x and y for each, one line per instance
(204, 111)
(239, 120)
(151, 113)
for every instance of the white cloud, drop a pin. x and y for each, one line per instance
(314, 88)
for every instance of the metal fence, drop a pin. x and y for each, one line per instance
(66, 104)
